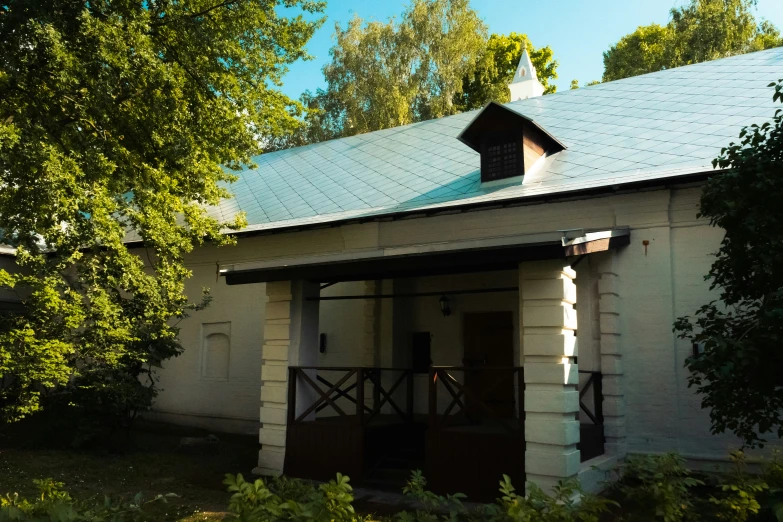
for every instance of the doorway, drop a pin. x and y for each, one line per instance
(488, 339)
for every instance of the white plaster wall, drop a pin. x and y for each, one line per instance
(423, 314)
(662, 414)
(340, 321)
(186, 396)
(656, 286)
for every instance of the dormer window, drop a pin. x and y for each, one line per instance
(509, 142)
(501, 157)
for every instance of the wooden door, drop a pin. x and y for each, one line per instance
(489, 342)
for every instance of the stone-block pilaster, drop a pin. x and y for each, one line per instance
(548, 322)
(290, 338)
(611, 354)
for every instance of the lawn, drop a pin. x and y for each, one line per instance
(152, 464)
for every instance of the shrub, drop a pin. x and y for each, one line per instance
(55, 505)
(773, 476)
(416, 489)
(254, 501)
(737, 497)
(567, 504)
(292, 488)
(657, 487)
(259, 500)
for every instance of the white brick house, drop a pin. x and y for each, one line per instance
(552, 240)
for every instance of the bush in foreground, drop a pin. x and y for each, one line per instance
(648, 489)
(56, 505)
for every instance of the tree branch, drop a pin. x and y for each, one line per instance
(195, 15)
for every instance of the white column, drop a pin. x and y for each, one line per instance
(290, 338)
(548, 321)
(611, 355)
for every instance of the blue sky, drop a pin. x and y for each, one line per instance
(578, 31)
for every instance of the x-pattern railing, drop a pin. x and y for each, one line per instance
(466, 397)
(595, 383)
(350, 386)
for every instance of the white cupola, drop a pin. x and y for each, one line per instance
(525, 83)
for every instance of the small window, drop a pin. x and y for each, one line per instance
(501, 158)
(421, 356)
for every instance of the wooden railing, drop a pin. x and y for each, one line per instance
(472, 401)
(594, 383)
(591, 442)
(350, 386)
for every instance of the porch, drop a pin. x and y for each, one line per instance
(360, 426)
(468, 372)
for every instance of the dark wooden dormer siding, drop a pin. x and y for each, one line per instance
(509, 143)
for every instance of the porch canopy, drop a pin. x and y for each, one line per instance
(430, 259)
(542, 444)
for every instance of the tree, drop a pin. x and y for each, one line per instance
(739, 372)
(575, 84)
(700, 31)
(389, 74)
(496, 68)
(643, 51)
(115, 119)
(436, 61)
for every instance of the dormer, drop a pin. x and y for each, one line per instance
(509, 143)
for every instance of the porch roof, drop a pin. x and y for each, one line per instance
(432, 259)
(664, 125)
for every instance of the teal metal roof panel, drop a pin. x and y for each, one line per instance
(658, 125)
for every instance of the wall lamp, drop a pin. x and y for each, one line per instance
(444, 306)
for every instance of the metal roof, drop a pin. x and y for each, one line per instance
(659, 125)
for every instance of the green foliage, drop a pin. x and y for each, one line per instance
(257, 501)
(575, 84)
(291, 488)
(737, 500)
(773, 476)
(416, 489)
(115, 119)
(699, 31)
(55, 505)
(254, 501)
(567, 504)
(738, 374)
(660, 488)
(643, 51)
(435, 61)
(657, 488)
(653, 488)
(496, 67)
(388, 74)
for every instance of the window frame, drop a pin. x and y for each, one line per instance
(501, 139)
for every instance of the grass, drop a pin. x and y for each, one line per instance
(152, 464)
